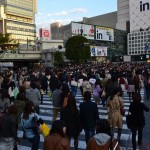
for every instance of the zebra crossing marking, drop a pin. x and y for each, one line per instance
(46, 107)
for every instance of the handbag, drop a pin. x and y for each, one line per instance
(129, 121)
(122, 111)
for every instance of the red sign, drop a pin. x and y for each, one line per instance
(44, 34)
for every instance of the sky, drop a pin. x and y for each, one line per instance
(65, 11)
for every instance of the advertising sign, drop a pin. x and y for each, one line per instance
(126, 58)
(83, 29)
(98, 51)
(104, 34)
(44, 34)
(139, 14)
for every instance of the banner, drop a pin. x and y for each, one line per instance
(139, 14)
(104, 34)
(83, 29)
(98, 51)
(44, 34)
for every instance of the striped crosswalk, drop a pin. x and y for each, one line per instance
(46, 114)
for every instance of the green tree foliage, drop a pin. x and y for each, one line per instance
(58, 58)
(7, 43)
(4, 38)
(76, 50)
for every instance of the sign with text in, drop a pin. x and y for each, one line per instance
(44, 34)
(104, 33)
(98, 51)
(83, 29)
(139, 14)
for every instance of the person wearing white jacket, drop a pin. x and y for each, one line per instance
(11, 92)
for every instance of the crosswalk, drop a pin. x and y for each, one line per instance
(46, 114)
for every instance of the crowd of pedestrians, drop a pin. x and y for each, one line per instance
(22, 92)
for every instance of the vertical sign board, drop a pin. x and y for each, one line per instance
(83, 29)
(104, 34)
(98, 51)
(139, 14)
(44, 34)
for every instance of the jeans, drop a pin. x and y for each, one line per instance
(89, 134)
(35, 142)
(74, 90)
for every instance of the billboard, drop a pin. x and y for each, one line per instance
(104, 33)
(44, 34)
(98, 51)
(139, 14)
(83, 29)
(126, 58)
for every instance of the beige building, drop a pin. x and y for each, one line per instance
(17, 17)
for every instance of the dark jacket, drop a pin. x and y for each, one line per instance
(57, 98)
(72, 121)
(137, 113)
(89, 115)
(8, 128)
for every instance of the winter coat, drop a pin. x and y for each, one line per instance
(89, 115)
(57, 98)
(101, 141)
(8, 127)
(72, 121)
(33, 95)
(97, 91)
(114, 115)
(137, 113)
(56, 142)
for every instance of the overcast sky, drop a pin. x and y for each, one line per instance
(65, 11)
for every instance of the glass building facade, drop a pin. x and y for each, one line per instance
(19, 19)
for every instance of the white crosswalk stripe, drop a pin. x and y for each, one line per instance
(46, 114)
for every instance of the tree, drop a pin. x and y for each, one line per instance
(58, 58)
(7, 43)
(76, 49)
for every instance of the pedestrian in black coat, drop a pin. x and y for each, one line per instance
(70, 115)
(89, 116)
(137, 109)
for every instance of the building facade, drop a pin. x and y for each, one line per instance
(139, 36)
(123, 16)
(18, 19)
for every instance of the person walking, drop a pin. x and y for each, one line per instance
(89, 115)
(147, 85)
(102, 140)
(70, 115)
(34, 95)
(114, 104)
(136, 109)
(97, 90)
(57, 139)
(28, 123)
(56, 101)
(8, 129)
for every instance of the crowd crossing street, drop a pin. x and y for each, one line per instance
(46, 114)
